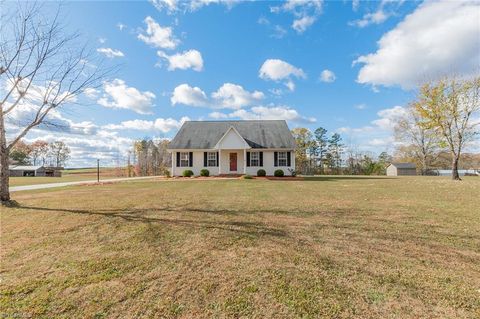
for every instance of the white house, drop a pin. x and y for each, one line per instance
(233, 147)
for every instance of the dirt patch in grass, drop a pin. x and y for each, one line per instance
(335, 247)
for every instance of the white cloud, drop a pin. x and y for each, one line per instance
(302, 24)
(385, 9)
(159, 125)
(304, 11)
(172, 6)
(438, 38)
(362, 106)
(120, 96)
(229, 95)
(191, 59)
(169, 5)
(218, 115)
(121, 26)
(197, 4)
(263, 21)
(187, 95)
(278, 70)
(110, 53)
(158, 36)
(376, 17)
(355, 5)
(265, 113)
(327, 76)
(102, 40)
(234, 96)
(278, 31)
(91, 93)
(388, 117)
(378, 133)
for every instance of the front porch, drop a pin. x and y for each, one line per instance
(232, 162)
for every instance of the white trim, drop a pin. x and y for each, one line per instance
(214, 158)
(182, 159)
(283, 159)
(226, 133)
(245, 161)
(219, 161)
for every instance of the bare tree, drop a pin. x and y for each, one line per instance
(59, 153)
(423, 142)
(41, 69)
(448, 107)
(39, 152)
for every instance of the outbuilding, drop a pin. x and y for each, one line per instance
(402, 169)
(27, 170)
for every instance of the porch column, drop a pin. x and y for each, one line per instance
(244, 161)
(219, 162)
(173, 164)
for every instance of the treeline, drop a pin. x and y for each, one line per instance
(150, 157)
(323, 153)
(40, 152)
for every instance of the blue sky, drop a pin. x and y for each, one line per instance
(347, 66)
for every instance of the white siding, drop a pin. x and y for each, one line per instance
(268, 164)
(232, 141)
(391, 170)
(197, 165)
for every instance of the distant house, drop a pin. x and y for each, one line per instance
(26, 170)
(401, 169)
(233, 147)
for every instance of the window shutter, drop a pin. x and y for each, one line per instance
(275, 159)
(248, 159)
(217, 159)
(289, 160)
(261, 159)
(178, 159)
(205, 162)
(190, 159)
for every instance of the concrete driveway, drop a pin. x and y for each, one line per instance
(53, 185)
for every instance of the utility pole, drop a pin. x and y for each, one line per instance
(98, 170)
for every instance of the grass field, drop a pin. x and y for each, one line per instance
(67, 176)
(338, 247)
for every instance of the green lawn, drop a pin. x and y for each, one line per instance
(335, 247)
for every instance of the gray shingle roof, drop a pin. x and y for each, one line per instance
(258, 134)
(404, 165)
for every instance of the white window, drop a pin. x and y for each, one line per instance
(254, 159)
(184, 159)
(211, 159)
(282, 158)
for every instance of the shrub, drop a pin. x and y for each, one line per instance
(278, 173)
(292, 172)
(247, 177)
(187, 173)
(261, 172)
(204, 172)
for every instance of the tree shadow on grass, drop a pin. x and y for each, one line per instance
(141, 215)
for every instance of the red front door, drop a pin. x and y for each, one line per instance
(233, 162)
